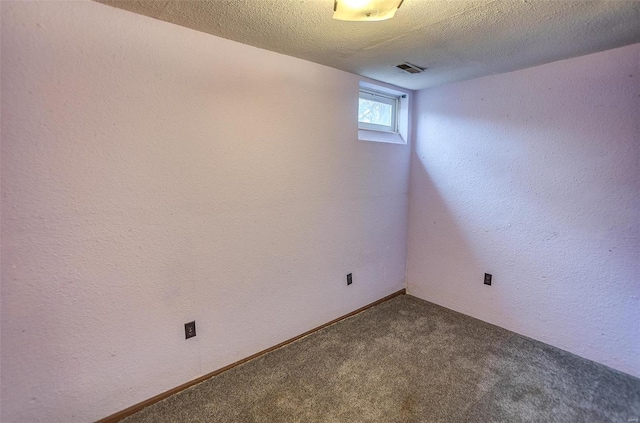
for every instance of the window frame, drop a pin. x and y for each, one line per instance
(384, 98)
(404, 106)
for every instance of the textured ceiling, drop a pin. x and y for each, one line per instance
(454, 40)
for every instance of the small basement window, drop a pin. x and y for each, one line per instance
(377, 111)
(383, 114)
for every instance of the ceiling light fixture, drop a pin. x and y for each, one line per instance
(365, 10)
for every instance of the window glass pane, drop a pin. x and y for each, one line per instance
(370, 111)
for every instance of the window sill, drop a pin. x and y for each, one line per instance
(379, 136)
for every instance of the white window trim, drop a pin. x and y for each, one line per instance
(381, 98)
(402, 124)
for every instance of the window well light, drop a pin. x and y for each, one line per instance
(365, 10)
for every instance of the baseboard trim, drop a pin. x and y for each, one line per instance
(116, 417)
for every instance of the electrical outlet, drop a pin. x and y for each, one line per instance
(487, 278)
(349, 279)
(189, 330)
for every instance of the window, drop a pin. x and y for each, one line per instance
(378, 111)
(383, 113)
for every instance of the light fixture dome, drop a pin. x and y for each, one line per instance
(365, 10)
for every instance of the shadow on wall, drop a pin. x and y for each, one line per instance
(434, 227)
(459, 231)
(534, 183)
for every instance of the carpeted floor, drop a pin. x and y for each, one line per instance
(408, 360)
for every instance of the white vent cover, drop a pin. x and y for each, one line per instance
(409, 68)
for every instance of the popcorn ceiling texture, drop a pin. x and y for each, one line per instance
(153, 175)
(455, 39)
(533, 176)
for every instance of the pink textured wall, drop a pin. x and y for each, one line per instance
(152, 175)
(533, 176)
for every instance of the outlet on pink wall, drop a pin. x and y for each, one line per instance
(153, 176)
(533, 176)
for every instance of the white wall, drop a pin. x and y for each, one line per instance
(534, 176)
(152, 175)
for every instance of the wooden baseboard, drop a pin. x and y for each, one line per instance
(116, 417)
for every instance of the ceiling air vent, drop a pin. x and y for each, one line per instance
(409, 68)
